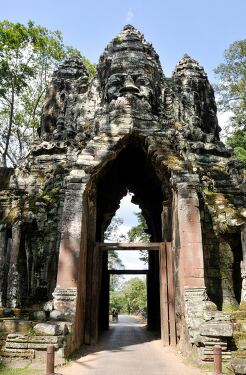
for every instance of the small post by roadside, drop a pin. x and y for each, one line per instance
(50, 364)
(217, 360)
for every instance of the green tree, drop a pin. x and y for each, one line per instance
(90, 67)
(135, 295)
(112, 234)
(139, 234)
(237, 140)
(231, 92)
(117, 301)
(28, 56)
(232, 83)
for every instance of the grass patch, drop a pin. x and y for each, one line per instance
(19, 371)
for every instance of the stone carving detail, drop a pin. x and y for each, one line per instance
(130, 75)
(69, 80)
(197, 103)
(64, 304)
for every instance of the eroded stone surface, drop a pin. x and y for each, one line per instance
(215, 329)
(46, 329)
(239, 366)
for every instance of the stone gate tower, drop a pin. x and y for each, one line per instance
(129, 129)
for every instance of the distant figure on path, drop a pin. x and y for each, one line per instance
(115, 316)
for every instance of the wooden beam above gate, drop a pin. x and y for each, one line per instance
(129, 245)
(128, 272)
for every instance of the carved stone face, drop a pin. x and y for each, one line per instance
(132, 83)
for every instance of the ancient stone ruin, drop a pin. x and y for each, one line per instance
(128, 129)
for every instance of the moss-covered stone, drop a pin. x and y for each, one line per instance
(238, 315)
(239, 354)
(240, 339)
(242, 306)
(223, 212)
(172, 161)
(241, 325)
(118, 40)
(229, 307)
(210, 306)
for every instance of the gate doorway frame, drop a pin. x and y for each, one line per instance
(167, 290)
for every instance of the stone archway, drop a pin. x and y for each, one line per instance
(172, 214)
(130, 170)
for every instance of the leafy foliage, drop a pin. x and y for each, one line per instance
(132, 298)
(232, 83)
(118, 301)
(238, 142)
(90, 67)
(135, 294)
(28, 56)
(138, 234)
(112, 234)
(232, 95)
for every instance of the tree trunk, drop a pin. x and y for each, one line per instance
(11, 115)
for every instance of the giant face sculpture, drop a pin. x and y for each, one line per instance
(130, 74)
(132, 83)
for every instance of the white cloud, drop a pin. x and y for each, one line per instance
(131, 260)
(129, 16)
(126, 212)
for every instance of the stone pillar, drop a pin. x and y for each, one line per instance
(13, 291)
(191, 266)
(69, 254)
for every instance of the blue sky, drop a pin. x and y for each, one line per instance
(203, 29)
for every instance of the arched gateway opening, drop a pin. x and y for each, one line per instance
(132, 170)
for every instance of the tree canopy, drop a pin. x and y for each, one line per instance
(139, 234)
(112, 234)
(28, 56)
(131, 298)
(231, 92)
(135, 294)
